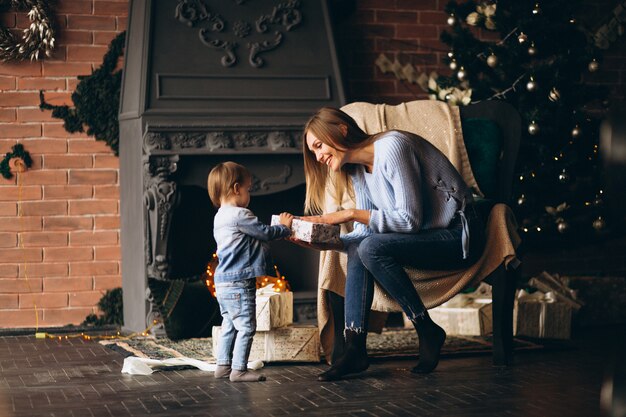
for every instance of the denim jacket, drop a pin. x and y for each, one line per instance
(242, 248)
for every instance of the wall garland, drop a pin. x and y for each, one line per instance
(37, 40)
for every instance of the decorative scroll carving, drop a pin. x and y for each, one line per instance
(278, 140)
(154, 321)
(155, 141)
(189, 140)
(273, 141)
(160, 198)
(193, 12)
(266, 184)
(218, 140)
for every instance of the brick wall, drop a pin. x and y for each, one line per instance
(59, 222)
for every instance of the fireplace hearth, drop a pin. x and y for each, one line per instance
(207, 81)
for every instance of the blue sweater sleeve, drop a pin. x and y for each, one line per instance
(401, 171)
(360, 231)
(250, 225)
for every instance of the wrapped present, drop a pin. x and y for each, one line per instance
(464, 314)
(286, 344)
(541, 315)
(312, 232)
(273, 309)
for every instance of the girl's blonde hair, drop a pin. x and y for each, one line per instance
(222, 180)
(326, 124)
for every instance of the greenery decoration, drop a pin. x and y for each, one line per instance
(16, 152)
(111, 305)
(37, 39)
(96, 100)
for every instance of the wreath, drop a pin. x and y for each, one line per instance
(18, 160)
(37, 39)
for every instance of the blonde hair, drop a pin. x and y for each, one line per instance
(326, 124)
(222, 180)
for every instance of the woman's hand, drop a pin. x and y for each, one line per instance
(338, 217)
(316, 246)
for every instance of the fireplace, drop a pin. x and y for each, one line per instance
(207, 81)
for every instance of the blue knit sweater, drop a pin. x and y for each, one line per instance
(412, 187)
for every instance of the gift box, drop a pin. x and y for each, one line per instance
(541, 315)
(312, 232)
(464, 314)
(297, 343)
(273, 309)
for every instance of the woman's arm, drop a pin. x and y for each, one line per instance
(341, 216)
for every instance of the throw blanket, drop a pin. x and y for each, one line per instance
(430, 120)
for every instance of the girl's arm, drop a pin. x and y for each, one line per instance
(250, 225)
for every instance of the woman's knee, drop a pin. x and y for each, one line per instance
(369, 249)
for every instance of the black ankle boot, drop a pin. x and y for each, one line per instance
(431, 338)
(353, 360)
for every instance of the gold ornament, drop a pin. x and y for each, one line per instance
(593, 66)
(536, 9)
(522, 38)
(576, 132)
(451, 54)
(453, 65)
(532, 51)
(492, 60)
(521, 200)
(562, 226)
(554, 95)
(564, 176)
(531, 85)
(599, 223)
(451, 20)
(461, 74)
(533, 128)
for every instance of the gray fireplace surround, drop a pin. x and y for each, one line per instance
(207, 81)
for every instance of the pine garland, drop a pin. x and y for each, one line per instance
(16, 152)
(111, 305)
(37, 39)
(96, 100)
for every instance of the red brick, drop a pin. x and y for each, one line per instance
(21, 255)
(7, 83)
(108, 253)
(86, 53)
(20, 193)
(38, 83)
(85, 298)
(14, 99)
(93, 207)
(67, 223)
(97, 238)
(8, 209)
(107, 222)
(22, 68)
(67, 254)
(110, 8)
(122, 23)
(20, 285)
(34, 115)
(43, 208)
(59, 69)
(20, 318)
(52, 192)
(45, 146)
(6, 145)
(44, 300)
(8, 240)
(10, 181)
(68, 161)
(416, 5)
(89, 146)
(107, 282)
(417, 31)
(59, 98)
(44, 177)
(107, 161)
(433, 18)
(8, 301)
(7, 115)
(23, 224)
(65, 316)
(377, 4)
(91, 22)
(93, 177)
(103, 38)
(74, 7)
(107, 192)
(93, 268)
(72, 83)
(12, 130)
(67, 284)
(46, 239)
(75, 37)
(56, 130)
(387, 16)
(8, 271)
(7, 20)
(44, 270)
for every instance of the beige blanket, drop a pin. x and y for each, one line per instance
(429, 119)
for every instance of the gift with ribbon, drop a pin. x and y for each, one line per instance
(312, 232)
(273, 309)
(541, 315)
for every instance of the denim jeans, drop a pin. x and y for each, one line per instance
(237, 302)
(382, 256)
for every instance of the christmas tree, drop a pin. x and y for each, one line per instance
(535, 57)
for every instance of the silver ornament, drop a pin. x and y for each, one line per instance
(521, 200)
(451, 54)
(576, 132)
(451, 20)
(532, 51)
(531, 85)
(599, 223)
(461, 74)
(453, 65)
(522, 38)
(593, 66)
(533, 128)
(562, 226)
(554, 95)
(492, 60)
(536, 9)
(564, 176)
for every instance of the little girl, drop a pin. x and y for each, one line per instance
(243, 254)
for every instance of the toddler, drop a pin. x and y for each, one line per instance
(243, 254)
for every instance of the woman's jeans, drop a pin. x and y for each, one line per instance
(237, 302)
(382, 256)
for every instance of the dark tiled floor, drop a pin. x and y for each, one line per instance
(82, 379)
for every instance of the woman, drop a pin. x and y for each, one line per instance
(410, 210)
